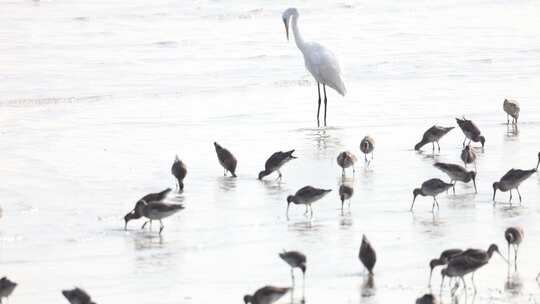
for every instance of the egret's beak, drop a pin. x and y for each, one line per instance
(286, 28)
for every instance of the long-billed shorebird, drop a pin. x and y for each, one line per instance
(457, 174)
(442, 260)
(471, 131)
(511, 107)
(266, 295)
(6, 288)
(511, 180)
(433, 135)
(431, 187)
(514, 236)
(345, 193)
(275, 162)
(345, 160)
(367, 145)
(367, 255)
(468, 155)
(77, 296)
(179, 171)
(295, 259)
(428, 298)
(152, 197)
(306, 196)
(226, 159)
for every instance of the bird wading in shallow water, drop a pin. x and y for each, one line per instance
(77, 296)
(443, 259)
(275, 162)
(226, 159)
(367, 145)
(345, 160)
(179, 171)
(6, 288)
(367, 255)
(514, 237)
(468, 156)
(266, 295)
(295, 259)
(511, 107)
(433, 135)
(320, 61)
(431, 187)
(511, 180)
(457, 173)
(306, 196)
(345, 193)
(471, 131)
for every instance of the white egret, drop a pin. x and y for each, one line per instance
(320, 61)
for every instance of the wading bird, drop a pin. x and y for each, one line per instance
(457, 173)
(6, 288)
(367, 145)
(306, 196)
(468, 155)
(511, 180)
(443, 259)
(511, 107)
(320, 61)
(433, 135)
(514, 236)
(431, 187)
(471, 131)
(77, 296)
(345, 193)
(295, 259)
(179, 171)
(345, 160)
(226, 159)
(367, 255)
(266, 295)
(275, 162)
(427, 299)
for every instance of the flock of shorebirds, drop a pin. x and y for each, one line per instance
(324, 67)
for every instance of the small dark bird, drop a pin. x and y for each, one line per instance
(511, 180)
(514, 236)
(152, 197)
(226, 159)
(179, 171)
(275, 162)
(427, 299)
(306, 196)
(367, 145)
(433, 135)
(511, 107)
(443, 259)
(457, 173)
(345, 193)
(77, 296)
(468, 155)
(345, 160)
(471, 131)
(295, 259)
(266, 295)
(431, 187)
(6, 288)
(367, 255)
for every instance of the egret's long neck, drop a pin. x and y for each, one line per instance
(297, 36)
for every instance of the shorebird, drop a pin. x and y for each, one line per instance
(6, 288)
(345, 160)
(367, 255)
(345, 193)
(468, 155)
(306, 196)
(77, 296)
(275, 162)
(427, 299)
(471, 131)
(511, 180)
(511, 107)
(179, 171)
(320, 61)
(367, 145)
(433, 135)
(295, 259)
(514, 236)
(431, 187)
(266, 295)
(457, 173)
(226, 159)
(152, 197)
(443, 259)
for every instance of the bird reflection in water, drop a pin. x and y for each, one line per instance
(226, 183)
(368, 286)
(513, 284)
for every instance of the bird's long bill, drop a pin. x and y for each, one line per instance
(430, 275)
(538, 164)
(288, 205)
(502, 256)
(474, 184)
(286, 28)
(494, 191)
(414, 198)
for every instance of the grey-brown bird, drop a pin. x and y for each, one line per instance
(431, 187)
(468, 155)
(345, 160)
(275, 162)
(511, 180)
(295, 259)
(306, 196)
(345, 193)
(152, 197)
(514, 236)
(457, 174)
(367, 145)
(77, 296)
(6, 288)
(433, 135)
(427, 299)
(367, 255)
(511, 107)
(266, 295)
(443, 259)
(226, 159)
(471, 131)
(179, 171)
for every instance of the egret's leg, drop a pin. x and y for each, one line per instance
(319, 104)
(325, 102)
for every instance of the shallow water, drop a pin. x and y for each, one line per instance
(97, 97)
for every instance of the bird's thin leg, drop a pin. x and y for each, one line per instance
(307, 210)
(508, 253)
(292, 276)
(365, 158)
(433, 147)
(464, 141)
(279, 175)
(325, 102)
(507, 119)
(516, 256)
(311, 208)
(510, 196)
(161, 226)
(519, 194)
(150, 224)
(224, 172)
(473, 284)
(319, 103)
(439, 146)
(144, 225)
(454, 187)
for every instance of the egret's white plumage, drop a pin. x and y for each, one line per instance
(320, 61)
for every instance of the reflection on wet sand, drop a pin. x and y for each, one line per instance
(513, 284)
(368, 286)
(325, 139)
(226, 183)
